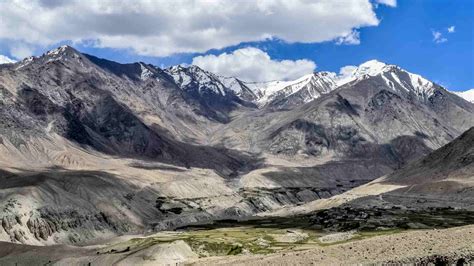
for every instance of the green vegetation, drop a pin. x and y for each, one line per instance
(234, 240)
(277, 234)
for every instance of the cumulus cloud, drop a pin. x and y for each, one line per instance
(352, 38)
(252, 64)
(391, 3)
(20, 51)
(346, 71)
(438, 37)
(6, 60)
(163, 27)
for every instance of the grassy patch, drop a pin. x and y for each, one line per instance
(270, 235)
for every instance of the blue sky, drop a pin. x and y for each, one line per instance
(404, 36)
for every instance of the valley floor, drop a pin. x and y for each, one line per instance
(262, 242)
(454, 245)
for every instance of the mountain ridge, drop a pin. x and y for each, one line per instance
(270, 93)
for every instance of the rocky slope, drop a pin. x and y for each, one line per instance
(123, 110)
(443, 178)
(437, 186)
(210, 92)
(361, 130)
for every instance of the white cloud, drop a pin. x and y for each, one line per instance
(164, 27)
(451, 29)
(353, 38)
(467, 95)
(438, 37)
(391, 3)
(6, 60)
(346, 71)
(252, 64)
(20, 51)
(345, 74)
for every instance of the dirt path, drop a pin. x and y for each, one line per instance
(408, 247)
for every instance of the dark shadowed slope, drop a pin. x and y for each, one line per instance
(445, 174)
(444, 178)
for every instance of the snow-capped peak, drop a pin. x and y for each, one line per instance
(6, 60)
(467, 95)
(371, 67)
(61, 52)
(57, 51)
(305, 88)
(187, 77)
(313, 84)
(395, 78)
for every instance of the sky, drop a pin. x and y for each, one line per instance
(255, 41)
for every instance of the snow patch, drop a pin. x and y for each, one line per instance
(316, 83)
(25, 62)
(57, 51)
(193, 75)
(231, 83)
(145, 72)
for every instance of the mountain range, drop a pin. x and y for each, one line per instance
(91, 148)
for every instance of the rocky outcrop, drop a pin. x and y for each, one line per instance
(45, 225)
